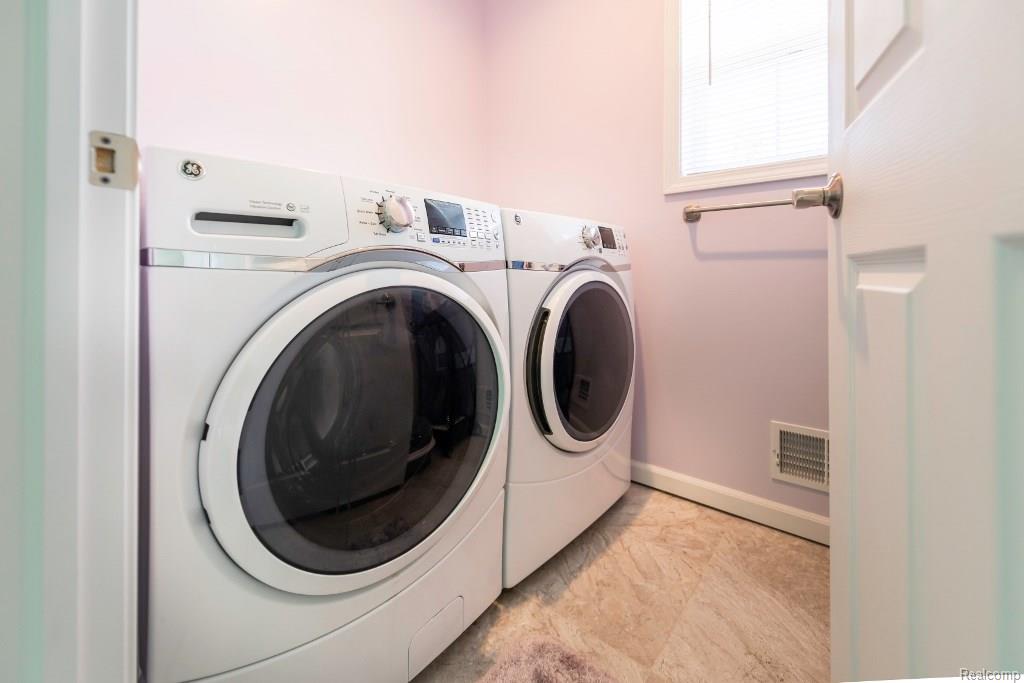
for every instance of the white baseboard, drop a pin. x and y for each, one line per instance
(761, 510)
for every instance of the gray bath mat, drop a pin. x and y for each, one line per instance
(544, 661)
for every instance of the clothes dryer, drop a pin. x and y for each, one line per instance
(572, 348)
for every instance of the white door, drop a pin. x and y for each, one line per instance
(926, 333)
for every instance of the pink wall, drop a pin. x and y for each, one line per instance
(731, 314)
(385, 89)
(553, 105)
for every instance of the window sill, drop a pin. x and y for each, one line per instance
(745, 176)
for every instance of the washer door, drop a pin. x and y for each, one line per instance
(580, 360)
(351, 428)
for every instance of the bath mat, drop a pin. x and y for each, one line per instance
(544, 661)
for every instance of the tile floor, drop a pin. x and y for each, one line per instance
(662, 589)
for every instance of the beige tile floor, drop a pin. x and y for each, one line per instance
(662, 589)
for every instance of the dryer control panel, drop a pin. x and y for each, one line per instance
(402, 215)
(544, 238)
(603, 238)
(613, 238)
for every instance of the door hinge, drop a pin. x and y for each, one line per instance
(113, 160)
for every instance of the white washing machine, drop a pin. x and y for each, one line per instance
(325, 418)
(572, 349)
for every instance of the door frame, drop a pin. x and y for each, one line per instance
(75, 312)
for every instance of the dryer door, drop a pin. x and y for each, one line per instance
(580, 360)
(351, 428)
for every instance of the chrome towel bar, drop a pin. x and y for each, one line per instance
(829, 195)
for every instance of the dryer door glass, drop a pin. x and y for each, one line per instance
(593, 361)
(368, 430)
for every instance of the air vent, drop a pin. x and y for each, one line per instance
(800, 455)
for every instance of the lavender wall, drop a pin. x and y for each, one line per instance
(731, 314)
(553, 105)
(385, 89)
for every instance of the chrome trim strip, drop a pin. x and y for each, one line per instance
(183, 258)
(479, 266)
(560, 267)
(368, 254)
(536, 265)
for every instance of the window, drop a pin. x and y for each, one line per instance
(746, 92)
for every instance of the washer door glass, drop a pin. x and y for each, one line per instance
(593, 361)
(368, 430)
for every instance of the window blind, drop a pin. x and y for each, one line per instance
(754, 82)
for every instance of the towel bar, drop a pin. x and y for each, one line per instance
(829, 195)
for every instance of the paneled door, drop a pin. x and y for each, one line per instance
(926, 334)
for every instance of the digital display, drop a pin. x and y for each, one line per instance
(445, 218)
(607, 237)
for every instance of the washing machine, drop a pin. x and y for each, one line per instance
(573, 350)
(325, 422)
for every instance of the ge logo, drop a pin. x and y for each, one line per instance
(193, 170)
(519, 219)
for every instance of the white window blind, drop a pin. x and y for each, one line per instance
(753, 83)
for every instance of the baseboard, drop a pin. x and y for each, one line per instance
(761, 510)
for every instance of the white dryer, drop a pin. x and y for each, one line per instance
(572, 350)
(325, 416)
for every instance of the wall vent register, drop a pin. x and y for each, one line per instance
(799, 455)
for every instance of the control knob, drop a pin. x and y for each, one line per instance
(396, 213)
(591, 236)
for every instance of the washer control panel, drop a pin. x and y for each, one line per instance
(396, 213)
(399, 215)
